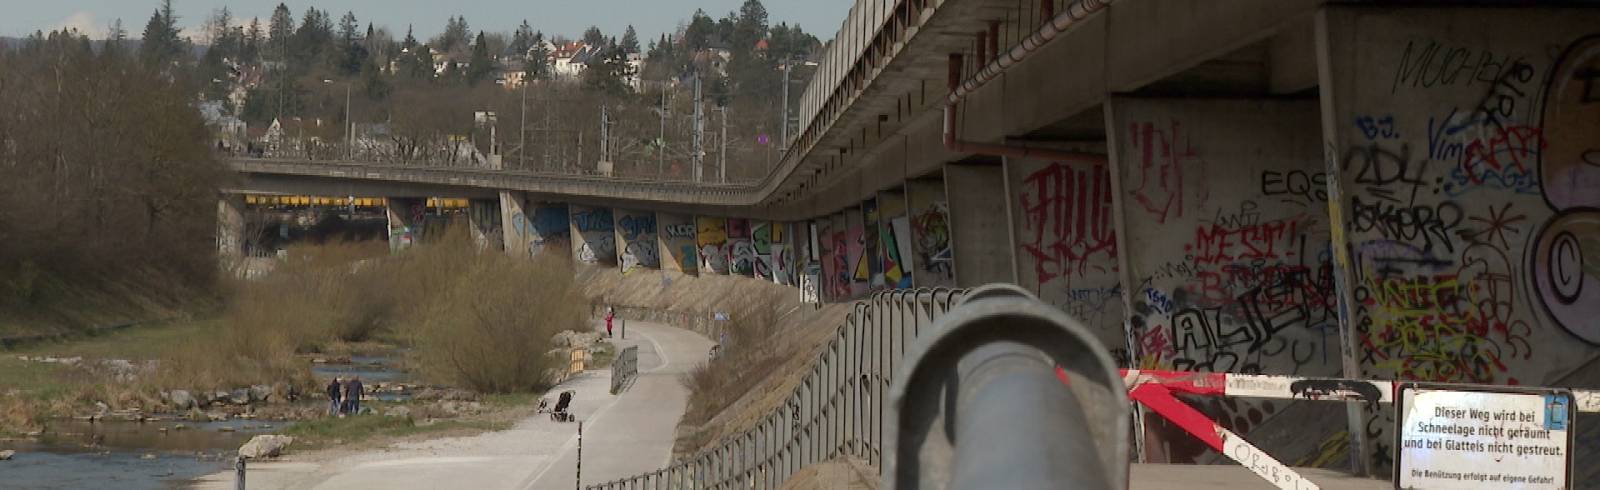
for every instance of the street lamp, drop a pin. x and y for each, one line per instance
(350, 123)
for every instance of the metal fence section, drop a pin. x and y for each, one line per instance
(624, 369)
(837, 410)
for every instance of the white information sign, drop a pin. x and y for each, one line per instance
(1483, 439)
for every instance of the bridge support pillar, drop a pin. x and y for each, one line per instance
(1461, 154)
(593, 235)
(675, 234)
(515, 228)
(977, 194)
(1214, 213)
(405, 221)
(483, 219)
(230, 230)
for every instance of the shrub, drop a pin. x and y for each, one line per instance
(486, 324)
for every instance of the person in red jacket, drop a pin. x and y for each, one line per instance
(610, 315)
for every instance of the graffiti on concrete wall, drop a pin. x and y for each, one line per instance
(1466, 169)
(741, 249)
(1066, 241)
(484, 218)
(761, 241)
(549, 226)
(636, 237)
(871, 256)
(836, 259)
(894, 240)
(711, 238)
(593, 238)
(1240, 278)
(932, 259)
(858, 271)
(1566, 253)
(678, 249)
(1162, 158)
(782, 252)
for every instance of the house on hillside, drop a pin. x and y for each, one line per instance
(511, 74)
(714, 57)
(570, 59)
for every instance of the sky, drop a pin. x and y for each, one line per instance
(568, 17)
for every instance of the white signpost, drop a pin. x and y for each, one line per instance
(1483, 438)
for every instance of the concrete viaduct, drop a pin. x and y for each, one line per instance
(1303, 187)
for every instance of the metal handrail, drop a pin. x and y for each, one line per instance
(837, 409)
(624, 368)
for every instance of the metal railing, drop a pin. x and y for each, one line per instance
(838, 409)
(624, 369)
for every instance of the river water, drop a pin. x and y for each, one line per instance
(125, 455)
(74, 454)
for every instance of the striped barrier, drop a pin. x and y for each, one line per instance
(1155, 390)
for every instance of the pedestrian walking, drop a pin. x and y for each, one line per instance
(356, 390)
(610, 315)
(335, 395)
(344, 398)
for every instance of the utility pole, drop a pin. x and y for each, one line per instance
(661, 139)
(699, 130)
(783, 127)
(722, 156)
(522, 133)
(350, 126)
(605, 140)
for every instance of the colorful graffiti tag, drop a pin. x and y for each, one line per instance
(636, 233)
(711, 238)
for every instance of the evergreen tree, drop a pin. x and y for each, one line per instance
(354, 52)
(481, 66)
(750, 26)
(454, 35)
(116, 41)
(608, 73)
(593, 37)
(630, 41)
(699, 32)
(538, 63)
(250, 51)
(280, 33)
(161, 44)
(522, 40)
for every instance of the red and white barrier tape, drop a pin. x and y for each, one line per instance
(1292, 387)
(1154, 390)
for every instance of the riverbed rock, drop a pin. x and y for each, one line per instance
(181, 399)
(240, 396)
(260, 393)
(7, 454)
(569, 338)
(265, 446)
(446, 394)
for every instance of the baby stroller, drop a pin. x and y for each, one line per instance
(559, 413)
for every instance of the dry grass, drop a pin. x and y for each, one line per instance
(748, 357)
(476, 319)
(313, 299)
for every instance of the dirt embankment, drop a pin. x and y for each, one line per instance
(790, 334)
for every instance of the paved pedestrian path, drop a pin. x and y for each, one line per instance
(623, 435)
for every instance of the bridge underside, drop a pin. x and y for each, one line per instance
(1288, 187)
